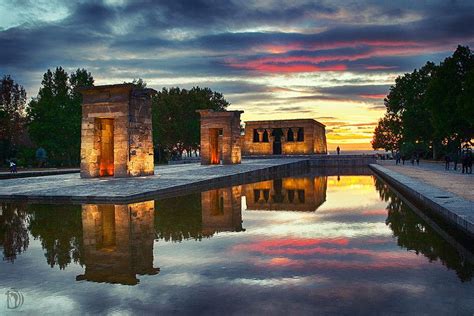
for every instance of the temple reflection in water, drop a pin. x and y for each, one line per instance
(221, 210)
(289, 194)
(118, 242)
(115, 243)
(118, 239)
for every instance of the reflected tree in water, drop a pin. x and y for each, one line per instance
(59, 228)
(179, 218)
(13, 230)
(413, 233)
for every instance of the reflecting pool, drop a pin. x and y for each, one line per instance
(299, 245)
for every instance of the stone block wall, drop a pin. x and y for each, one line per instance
(320, 144)
(141, 134)
(130, 109)
(228, 146)
(314, 140)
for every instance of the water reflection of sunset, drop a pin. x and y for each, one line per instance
(351, 181)
(225, 249)
(354, 191)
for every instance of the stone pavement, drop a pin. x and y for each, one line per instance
(22, 173)
(434, 189)
(168, 179)
(433, 173)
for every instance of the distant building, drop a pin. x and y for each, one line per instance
(284, 137)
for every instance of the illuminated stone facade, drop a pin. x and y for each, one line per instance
(288, 194)
(220, 137)
(116, 132)
(221, 210)
(118, 242)
(284, 137)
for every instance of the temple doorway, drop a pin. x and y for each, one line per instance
(106, 158)
(214, 134)
(277, 133)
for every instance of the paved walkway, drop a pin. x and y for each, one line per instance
(433, 173)
(412, 183)
(168, 179)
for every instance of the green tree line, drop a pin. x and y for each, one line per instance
(52, 119)
(430, 110)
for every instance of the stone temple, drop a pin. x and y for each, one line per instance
(222, 140)
(116, 131)
(284, 137)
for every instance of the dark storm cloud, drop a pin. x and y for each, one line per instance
(202, 14)
(355, 90)
(371, 94)
(167, 39)
(293, 109)
(438, 29)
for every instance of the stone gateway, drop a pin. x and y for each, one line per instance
(220, 137)
(116, 131)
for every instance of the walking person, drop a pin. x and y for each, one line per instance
(12, 167)
(455, 156)
(338, 150)
(447, 161)
(469, 163)
(464, 161)
(417, 157)
(397, 157)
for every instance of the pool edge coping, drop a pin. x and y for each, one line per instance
(461, 215)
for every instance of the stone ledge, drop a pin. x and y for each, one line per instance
(169, 180)
(454, 209)
(36, 173)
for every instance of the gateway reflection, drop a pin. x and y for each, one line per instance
(118, 242)
(221, 210)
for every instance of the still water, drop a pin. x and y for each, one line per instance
(299, 245)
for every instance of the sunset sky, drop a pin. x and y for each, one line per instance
(333, 61)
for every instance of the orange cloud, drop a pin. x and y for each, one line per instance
(373, 96)
(266, 65)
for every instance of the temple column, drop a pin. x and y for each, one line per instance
(260, 134)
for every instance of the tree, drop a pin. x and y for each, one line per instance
(388, 133)
(447, 98)
(175, 121)
(55, 115)
(432, 106)
(139, 83)
(12, 116)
